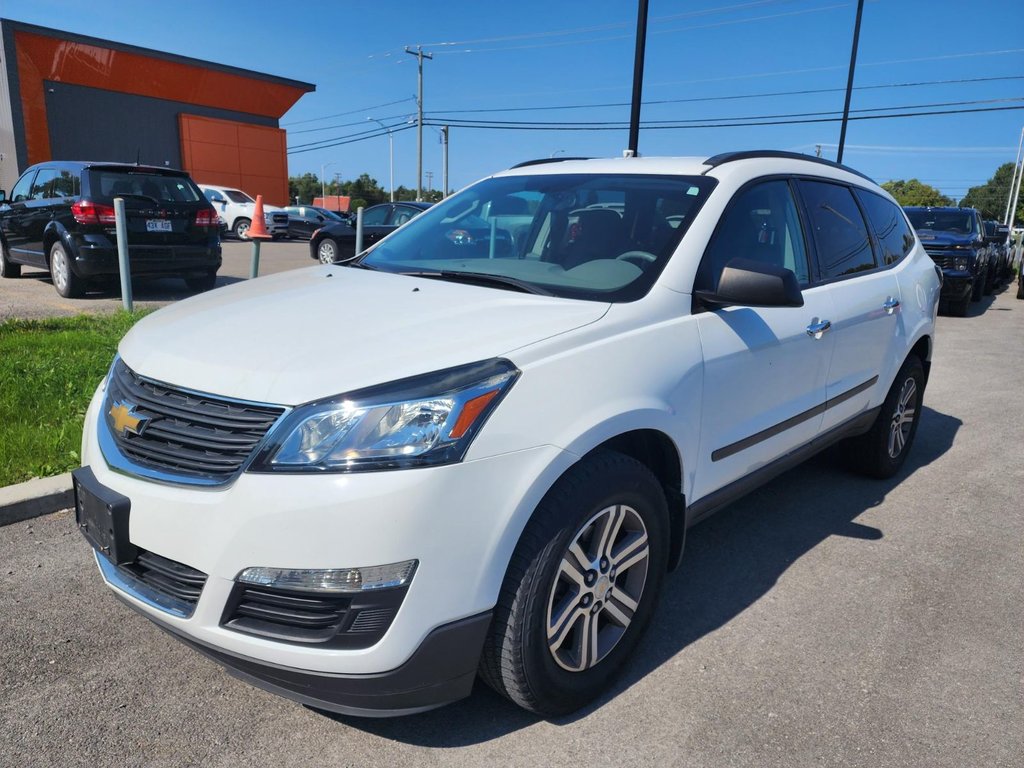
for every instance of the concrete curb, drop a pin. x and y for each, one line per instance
(36, 497)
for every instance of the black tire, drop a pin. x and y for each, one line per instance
(1020, 288)
(978, 289)
(872, 453)
(328, 251)
(68, 284)
(202, 283)
(241, 227)
(990, 280)
(8, 268)
(517, 659)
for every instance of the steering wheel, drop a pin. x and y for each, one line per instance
(644, 256)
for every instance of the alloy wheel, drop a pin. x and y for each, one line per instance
(903, 418)
(597, 588)
(326, 252)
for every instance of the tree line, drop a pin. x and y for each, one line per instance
(363, 191)
(990, 198)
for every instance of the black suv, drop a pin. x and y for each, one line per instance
(60, 217)
(955, 239)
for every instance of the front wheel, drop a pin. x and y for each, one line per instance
(882, 450)
(241, 228)
(979, 285)
(68, 284)
(581, 586)
(327, 251)
(7, 268)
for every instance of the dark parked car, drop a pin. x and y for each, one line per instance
(996, 235)
(955, 239)
(338, 240)
(60, 217)
(304, 220)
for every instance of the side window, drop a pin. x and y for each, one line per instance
(65, 185)
(762, 224)
(42, 187)
(402, 215)
(376, 217)
(20, 193)
(839, 230)
(895, 237)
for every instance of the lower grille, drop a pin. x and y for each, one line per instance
(312, 618)
(942, 260)
(167, 577)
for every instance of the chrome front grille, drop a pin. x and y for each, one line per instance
(181, 435)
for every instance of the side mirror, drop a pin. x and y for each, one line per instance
(3, 195)
(748, 283)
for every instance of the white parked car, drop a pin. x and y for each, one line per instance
(237, 209)
(536, 386)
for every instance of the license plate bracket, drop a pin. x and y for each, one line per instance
(102, 517)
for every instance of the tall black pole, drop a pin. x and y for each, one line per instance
(849, 80)
(638, 76)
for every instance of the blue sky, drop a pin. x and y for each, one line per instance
(555, 55)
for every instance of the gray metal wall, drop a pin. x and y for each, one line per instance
(94, 124)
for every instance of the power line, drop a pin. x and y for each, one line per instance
(349, 140)
(350, 112)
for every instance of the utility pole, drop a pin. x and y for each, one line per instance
(1016, 166)
(444, 160)
(817, 150)
(430, 179)
(849, 80)
(420, 56)
(391, 156)
(638, 78)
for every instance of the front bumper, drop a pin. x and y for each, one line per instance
(956, 285)
(460, 522)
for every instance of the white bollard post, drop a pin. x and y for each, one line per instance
(121, 227)
(359, 230)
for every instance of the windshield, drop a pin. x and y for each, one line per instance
(163, 188)
(954, 220)
(587, 236)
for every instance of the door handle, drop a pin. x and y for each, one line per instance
(817, 330)
(890, 305)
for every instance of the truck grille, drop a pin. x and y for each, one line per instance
(182, 433)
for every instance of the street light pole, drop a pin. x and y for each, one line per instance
(1013, 183)
(420, 56)
(391, 156)
(444, 161)
(638, 78)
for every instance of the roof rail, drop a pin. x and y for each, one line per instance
(545, 160)
(728, 157)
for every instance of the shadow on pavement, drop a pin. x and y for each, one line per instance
(732, 560)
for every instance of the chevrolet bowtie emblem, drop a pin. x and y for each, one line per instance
(125, 420)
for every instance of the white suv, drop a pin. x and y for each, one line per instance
(535, 387)
(236, 208)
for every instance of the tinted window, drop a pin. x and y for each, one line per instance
(238, 197)
(762, 224)
(42, 187)
(66, 184)
(376, 216)
(142, 186)
(20, 191)
(895, 237)
(839, 230)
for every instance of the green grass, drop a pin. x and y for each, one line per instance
(48, 372)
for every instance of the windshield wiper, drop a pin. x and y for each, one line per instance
(483, 278)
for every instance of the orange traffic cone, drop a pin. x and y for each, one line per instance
(258, 227)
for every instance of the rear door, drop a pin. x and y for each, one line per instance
(865, 296)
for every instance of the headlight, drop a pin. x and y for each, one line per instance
(960, 264)
(421, 421)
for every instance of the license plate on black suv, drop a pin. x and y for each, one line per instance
(102, 517)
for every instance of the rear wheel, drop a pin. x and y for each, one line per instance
(883, 449)
(1020, 287)
(581, 586)
(68, 284)
(7, 268)
(991, 275)
(241, 228)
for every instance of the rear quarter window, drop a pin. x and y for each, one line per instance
(894, 235)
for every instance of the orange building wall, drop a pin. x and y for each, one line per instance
(226, 153)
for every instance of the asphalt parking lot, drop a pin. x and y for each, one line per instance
(824, 620)
(32, 295)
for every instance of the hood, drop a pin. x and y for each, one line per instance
(313, 333)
